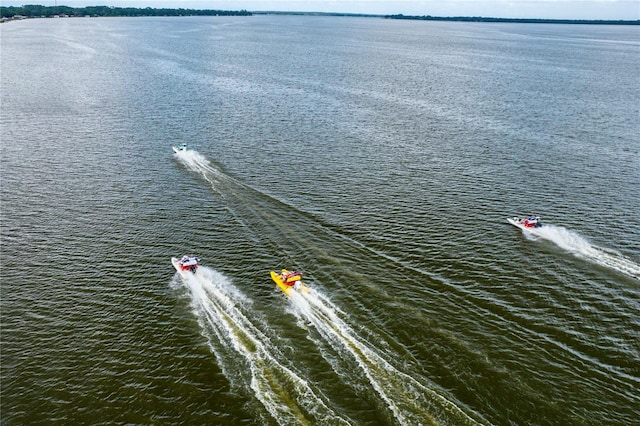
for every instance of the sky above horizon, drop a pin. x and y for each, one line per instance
(551, 9)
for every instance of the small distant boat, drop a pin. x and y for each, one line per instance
(289, 281)
(185, 264)
(529, 223)
(180, 148)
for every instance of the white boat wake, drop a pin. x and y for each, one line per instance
(580, 247)
(409, 401)
(195, 161)
(247, 357)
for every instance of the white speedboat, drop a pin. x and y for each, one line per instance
(180, 148)
(529, 223)
(185, 264)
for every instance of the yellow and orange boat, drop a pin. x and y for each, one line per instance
(289, 281)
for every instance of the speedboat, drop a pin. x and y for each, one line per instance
(529, 223)
(185, 264)
(289, 281)
(180, 148)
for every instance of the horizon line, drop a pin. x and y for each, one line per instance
(399, 16)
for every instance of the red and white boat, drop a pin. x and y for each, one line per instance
(185, 264)
(530, 223)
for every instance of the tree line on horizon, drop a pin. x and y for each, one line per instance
(37, 11)
(515, 20)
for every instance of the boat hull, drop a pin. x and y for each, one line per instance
(535, 230)
(176, 264)
(179, 148)
(288, 290)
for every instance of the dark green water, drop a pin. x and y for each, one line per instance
(381, 158)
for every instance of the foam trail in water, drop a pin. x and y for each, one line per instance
(576, 244)
(410, 401)
(240, 344)
(196, 162)
(199, 164)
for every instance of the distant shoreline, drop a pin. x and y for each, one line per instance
(8, 13)
(516, 20)
(39, 11)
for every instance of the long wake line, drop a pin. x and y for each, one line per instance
(568, 240)
(238, 342)
(574, 243)
(410, 401)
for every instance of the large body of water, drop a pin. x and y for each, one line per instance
(379, 157)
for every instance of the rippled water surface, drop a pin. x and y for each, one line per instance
(381, 158)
